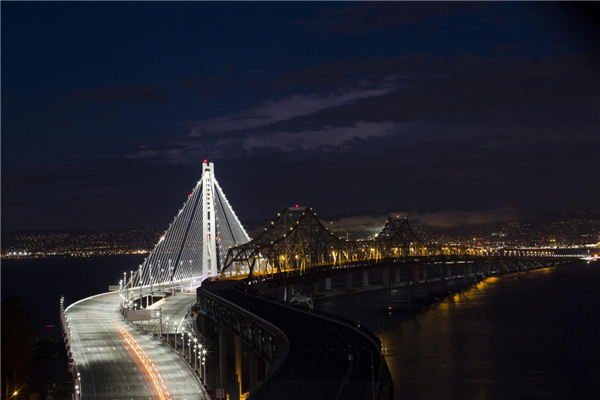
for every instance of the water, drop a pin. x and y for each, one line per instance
(531, 337)
(39, 282)
(534, 336)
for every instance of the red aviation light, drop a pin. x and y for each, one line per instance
(397, 216)
(190, 195)
(297, 206)
(205, 161)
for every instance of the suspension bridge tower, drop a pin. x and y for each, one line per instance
(196, 243)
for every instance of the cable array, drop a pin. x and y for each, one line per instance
(177, 258)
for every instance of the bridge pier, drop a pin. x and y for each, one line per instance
(222, 358)
(386, 277)
(366, 278)
(397, 276)
(443, 277)
(238, 363)
(287, 294)
(327, 283)
(349, 281)
(252, 370)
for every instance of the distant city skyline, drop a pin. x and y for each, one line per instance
(110, 108)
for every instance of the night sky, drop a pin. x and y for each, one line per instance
(108, 109)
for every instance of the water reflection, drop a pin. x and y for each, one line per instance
(531, 336)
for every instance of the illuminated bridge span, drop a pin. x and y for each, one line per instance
(296, 245)
(112, 360)
(295, 251)
(303, 354)
(195, 244)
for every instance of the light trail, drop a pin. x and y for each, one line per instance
(145, 363)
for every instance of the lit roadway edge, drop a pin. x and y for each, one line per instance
(117, 361)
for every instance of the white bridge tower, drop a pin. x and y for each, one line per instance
(196, 243)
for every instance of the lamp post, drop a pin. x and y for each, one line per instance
(167, 330)
(171, 275)
(204, 366)
(151, 290)
(181, 276)
(190, 347)
(140, 280)
(131, 281)
(196, 354)
(183, 342)
(372, 366)
(125, 284)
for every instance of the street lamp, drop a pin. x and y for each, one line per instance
(372, 366)
(171, 274)
(195, 354)
(204, 366)
(183, 342)
(140, 280)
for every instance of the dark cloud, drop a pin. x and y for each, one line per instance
(429, 175)
(229, 67)
(361, 18)
(207, 88)
(371, 223)
(133, 94)
(507, 48)
(472, 99)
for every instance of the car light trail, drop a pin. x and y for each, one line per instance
(144, 363)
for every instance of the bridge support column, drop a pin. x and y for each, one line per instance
(315, 288)
(386, 277)
(252, 370)
(222, 358)
(366, 278)
(327, 283)
(349, 281)
(397, 275)
(238, 364)
(443, 276)
(288, 293)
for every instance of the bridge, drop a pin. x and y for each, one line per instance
(209, 312)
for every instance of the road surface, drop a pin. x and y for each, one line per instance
(326, 359)
(117, 360)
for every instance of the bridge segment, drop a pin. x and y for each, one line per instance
(196, 242)
(314, 357)
(117, 361)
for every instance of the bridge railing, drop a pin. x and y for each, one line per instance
(265, 338)
(67, 338)
(318, 271)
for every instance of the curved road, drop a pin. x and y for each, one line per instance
(318, 365)
(119, 361)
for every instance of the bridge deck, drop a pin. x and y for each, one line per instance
(317, 365)
(110, 355)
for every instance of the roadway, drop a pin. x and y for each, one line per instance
(318, 364)
(175, 309)
(117, 360)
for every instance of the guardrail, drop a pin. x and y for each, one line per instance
(265, 338)
(67, 338)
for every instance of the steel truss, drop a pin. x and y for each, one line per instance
(296, 242)
(264, 338)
